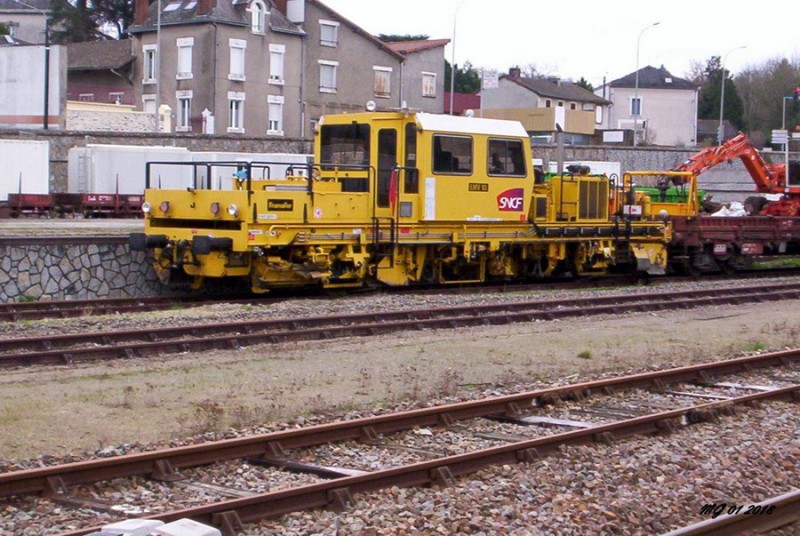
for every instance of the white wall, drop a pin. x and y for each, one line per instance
(25, 162)
(671, 114)
(22, 83)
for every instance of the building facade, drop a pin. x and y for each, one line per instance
(423, 73)
(101, 71)
(219, 66)
(545, 105)
(267, 67)
(26, 21)
(660, 108)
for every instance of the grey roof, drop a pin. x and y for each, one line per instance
(224, 11)
(99, 55)
(410, 47)
(358, 29)
(556, 89)
(233, 12)
(8, 41)
(653, 78)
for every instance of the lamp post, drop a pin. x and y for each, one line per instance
(453, 59)
(721, 130)
(638, 105)
(46, 110)
(783, 113)
(157, 66)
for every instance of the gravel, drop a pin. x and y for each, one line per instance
(638, 486)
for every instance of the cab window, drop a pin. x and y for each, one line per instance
(505, 158)
(344, 145)
(411, 182)
(452, 154)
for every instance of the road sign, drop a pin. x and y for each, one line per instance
(780, 137)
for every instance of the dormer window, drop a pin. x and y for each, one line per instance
(258, 13)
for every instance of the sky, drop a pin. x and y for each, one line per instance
(594, 40)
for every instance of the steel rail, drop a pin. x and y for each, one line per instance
(54, 478)
(62, 349)
(38, 310)
(785, 510)
(231, 514)
(15, 311)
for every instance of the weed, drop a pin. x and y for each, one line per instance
(244, 417)
(409, 378)
(447, 383)
(209, 415)
(316, 405)
(127, 396)
(756, 346)
(585, 354)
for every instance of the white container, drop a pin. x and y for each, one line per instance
(108, 169)
(279, 165)
(24, 167)
(187, 527)
(134, 527)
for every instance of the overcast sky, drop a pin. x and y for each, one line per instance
(590, 39)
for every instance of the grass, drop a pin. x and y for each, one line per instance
(585, 354)
(788, 262)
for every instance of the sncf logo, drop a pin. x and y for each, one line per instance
(511, 200)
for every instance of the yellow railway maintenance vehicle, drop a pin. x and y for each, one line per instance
(399, 198)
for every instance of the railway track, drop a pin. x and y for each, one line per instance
(74, 348)
(38, 310)
(752, 520)
(530, 425)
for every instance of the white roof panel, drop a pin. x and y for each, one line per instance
(470, 125)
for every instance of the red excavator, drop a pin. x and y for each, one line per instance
(768, 178)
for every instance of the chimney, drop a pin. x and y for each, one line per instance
(280, 5)
(295, 10)
(141, 10)
(514, 72)
(204, 7)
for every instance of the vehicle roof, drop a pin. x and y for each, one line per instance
(454, 124)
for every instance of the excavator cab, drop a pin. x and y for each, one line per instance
(663, 193)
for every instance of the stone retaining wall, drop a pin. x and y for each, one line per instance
(94, 121)
(74, 271)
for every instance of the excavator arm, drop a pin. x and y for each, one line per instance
(768, 178)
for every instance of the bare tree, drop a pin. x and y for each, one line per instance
(763, 89)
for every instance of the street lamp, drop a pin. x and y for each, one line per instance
(453, 58)
(157, 66)
(638, 104)
(46, 110)
(783, 114)
(721, 131)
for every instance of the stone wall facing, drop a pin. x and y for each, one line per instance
(111, 121)
(74, 271)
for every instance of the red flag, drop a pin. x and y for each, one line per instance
(393, 189)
